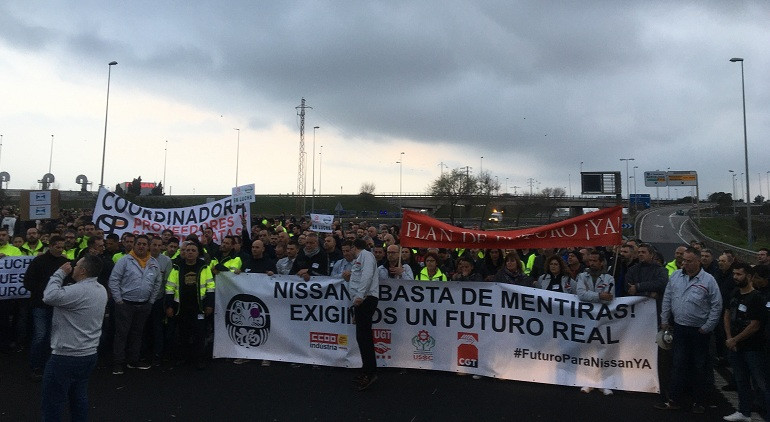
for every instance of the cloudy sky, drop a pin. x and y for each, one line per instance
(534, 87)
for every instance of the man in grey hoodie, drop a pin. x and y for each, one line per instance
(78, 312)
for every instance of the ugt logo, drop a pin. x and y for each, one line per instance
(381, 343)
(467, 352)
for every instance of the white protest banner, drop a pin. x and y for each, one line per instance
(12, 270)
(115, 214)
(244, 194)
(490, 329)
(321, 223)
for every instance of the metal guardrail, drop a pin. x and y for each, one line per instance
(744, 255)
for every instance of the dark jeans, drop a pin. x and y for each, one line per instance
(747, 365)
(66, 380)
(690, 352)
(108, 331)
(192, 336)
(156, 334)
(40, 342)
(364, 313)
(129, 325)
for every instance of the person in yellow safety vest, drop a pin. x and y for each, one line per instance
(172, 248)
(128, 244)
(89, 230)
(227, 259)
(71, 248)
(33, 246)
(190, 300)
(431, 271)
(676, 263)
(6, 249)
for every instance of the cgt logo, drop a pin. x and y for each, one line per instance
(467, 352)
(328, 341)
(381, 343)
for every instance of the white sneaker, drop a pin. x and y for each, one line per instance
(586, 390)
(265, 363)
(240, 361)
(606, 391)
(477, 377)
(738, 416)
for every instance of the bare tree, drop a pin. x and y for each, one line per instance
(367, 188)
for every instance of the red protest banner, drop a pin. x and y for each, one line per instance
(598, 228)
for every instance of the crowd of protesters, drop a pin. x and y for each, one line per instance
(161, 289)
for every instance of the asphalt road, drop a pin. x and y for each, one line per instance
(666, 230)
(225, 391)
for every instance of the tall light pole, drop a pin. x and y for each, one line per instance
(400, 174)
(106, 113)
(628, 191)
(635, 191)
(481, 165)
(759, 178)
(165, 160)
(581, 166)
(768, 173)
(745, 153)
(320, 165)
(237, 154)
(312, 190)
(733, 177)
(50, 160)
(442, 166)
(742, 190)
(668, 186)
(506, 184)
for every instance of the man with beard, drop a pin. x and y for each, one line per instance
(392, 267)
(311, 261)
(743, 319)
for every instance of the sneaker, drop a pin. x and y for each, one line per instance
(606, 391)
(699, 409)
(737, 416)
(586, 390)
(240, 361)
(295, 365)
(117, 369)
(366, 382)
(477, 377)
(139, 365)
(265, 363)
(668, 405)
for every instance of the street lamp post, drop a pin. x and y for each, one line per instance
(732, 172)
(628, 191)
(635, 191)
(237, 154)
(312, 191)
(165, 160)
(50, 160)
(320, 164)
(745, 153)
(668, 186)
(106, 113)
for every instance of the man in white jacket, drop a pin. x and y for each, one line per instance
(364, 289)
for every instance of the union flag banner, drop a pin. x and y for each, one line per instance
(598, 228)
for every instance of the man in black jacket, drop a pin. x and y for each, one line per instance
(36, 279)
(311, 259)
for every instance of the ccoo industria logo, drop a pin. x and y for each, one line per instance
(247, 320)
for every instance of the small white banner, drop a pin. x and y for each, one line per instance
(244, 194)
(321, 223)
(12, 270)
(490, 329)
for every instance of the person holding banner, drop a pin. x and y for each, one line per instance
(364, 290)
(555, 278)
(393, 267)
(190, 300)
(595, 285)
(431, 271)
(513, 271)
(311, 260)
